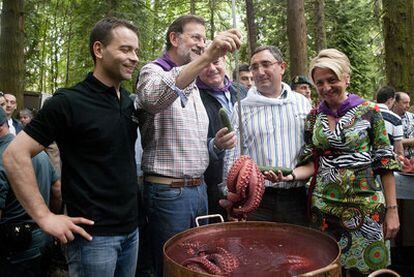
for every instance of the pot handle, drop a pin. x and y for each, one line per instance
(208, 216)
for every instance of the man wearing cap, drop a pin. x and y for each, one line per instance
(21, 252)
(11, 105)
(302, 85)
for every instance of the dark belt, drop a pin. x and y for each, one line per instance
(285, 190)
(174, 182)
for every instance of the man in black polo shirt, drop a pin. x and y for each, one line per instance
(93, 126)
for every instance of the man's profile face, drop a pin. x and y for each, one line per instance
(402, 106)
(246, 79)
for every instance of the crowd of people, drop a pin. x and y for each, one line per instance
(125, 193)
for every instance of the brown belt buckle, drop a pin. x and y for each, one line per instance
(177, 184)
(186, 183)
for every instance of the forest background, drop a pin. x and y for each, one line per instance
(44, 44)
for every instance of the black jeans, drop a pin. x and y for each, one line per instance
(30, 268)
(284, 206)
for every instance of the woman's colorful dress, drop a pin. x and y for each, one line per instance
(347, 201)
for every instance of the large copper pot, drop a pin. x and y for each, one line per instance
(263, 249)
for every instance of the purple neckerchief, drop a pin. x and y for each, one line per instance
(227, 83)
(351, 102)
(165, 62)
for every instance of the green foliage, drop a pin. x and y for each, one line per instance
(57, 31)
(351, 27)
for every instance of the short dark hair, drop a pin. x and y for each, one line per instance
(102, 31)
(240, 68)
(276, 53)
(385, 93)
(178, 25)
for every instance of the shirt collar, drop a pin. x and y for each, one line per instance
(97, 86)
(285, 89)
(383, 106)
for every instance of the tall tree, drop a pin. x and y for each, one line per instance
(192, 7)
(399, 43)
(320, 35)
(212, 4)
(296, 24)
(12, 48)
(251, 26)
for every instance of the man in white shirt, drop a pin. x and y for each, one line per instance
(400, 107)
(393, 124)
(11, 105)
(273, 125)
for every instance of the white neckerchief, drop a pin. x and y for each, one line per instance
(12, 130)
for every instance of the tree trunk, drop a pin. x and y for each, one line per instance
(112, 5)
(192, 7)
(320, 35)
(212, 5)
(297, 37)
(251, 26)
(12, 49)
(399, 44)
(68, 51)
(155, 21)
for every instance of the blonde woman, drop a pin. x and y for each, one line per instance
(346, 147)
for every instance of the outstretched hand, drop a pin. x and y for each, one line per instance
(64, 227)
(227, 41)
(277, 177)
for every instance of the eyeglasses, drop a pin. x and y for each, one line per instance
(264, 64)
(196, 37)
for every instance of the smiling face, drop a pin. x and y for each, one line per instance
(213, 74)
(267, 73)
(330, 88)
(118, 59)
(190, 43)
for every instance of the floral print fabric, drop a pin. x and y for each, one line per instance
(347, 201)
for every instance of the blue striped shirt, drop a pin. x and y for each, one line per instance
(273, 131)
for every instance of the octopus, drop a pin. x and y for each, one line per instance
(211, 260)
(245, 185)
